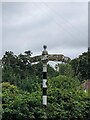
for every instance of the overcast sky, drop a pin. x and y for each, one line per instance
(63, 27)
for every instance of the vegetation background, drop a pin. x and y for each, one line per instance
(22, 89)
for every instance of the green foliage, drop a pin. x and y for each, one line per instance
(0, 102)
(66, 100)
(18, 70)
(80, 66)
(38, 69)
(66, 69)
(15, 103)
(51, 72)
(88, 55)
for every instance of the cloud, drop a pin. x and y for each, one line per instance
(62, 26)
(45, 0)
(0, 29)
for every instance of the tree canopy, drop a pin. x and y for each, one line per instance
(22, 89)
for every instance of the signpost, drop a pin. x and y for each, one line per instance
(45, 57)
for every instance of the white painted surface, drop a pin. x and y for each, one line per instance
(44, 83)
(44, 67)
(44, 100)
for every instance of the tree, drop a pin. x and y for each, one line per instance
(65, 69)
(18, 71)
(80, 66)
(67, 100)
(14, 103)
(28, 53)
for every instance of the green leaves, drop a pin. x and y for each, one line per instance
(14, 102)
(65, 69)
(22, 92)
(80, 66)
(65, 101)
(66, 98)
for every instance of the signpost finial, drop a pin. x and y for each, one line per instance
(45, 47)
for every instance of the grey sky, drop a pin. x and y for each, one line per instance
(63, 27)
(0, 29)
(45, 0)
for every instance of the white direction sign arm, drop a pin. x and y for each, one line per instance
(50, 57)
(35, 59)
(58, 57)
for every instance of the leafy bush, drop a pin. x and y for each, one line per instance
(14, 103)
(66, 101)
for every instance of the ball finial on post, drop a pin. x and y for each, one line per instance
(45, 47)
(44, 52)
